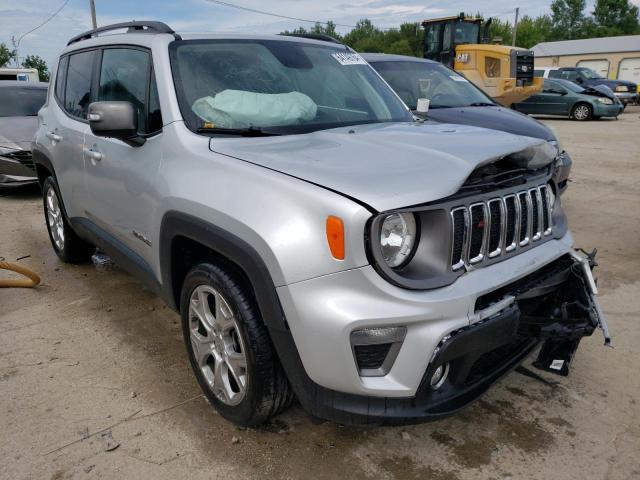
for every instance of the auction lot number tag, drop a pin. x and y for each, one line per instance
(348, 58)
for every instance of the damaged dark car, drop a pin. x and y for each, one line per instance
(562, 97)
(19, 105)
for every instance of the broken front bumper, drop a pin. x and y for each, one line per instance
(16, 167)
(551, 308)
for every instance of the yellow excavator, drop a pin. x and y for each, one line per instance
(462, 43)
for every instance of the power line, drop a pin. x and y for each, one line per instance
(43, 23)
(262, 12)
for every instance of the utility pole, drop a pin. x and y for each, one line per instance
(515, 27)
(92, 4)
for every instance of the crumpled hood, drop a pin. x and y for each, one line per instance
(388, 165)
(600, 90)
(17, 132)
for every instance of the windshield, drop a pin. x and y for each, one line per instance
(21, 101)
(467, 32)
(278, 85)
(442, 86)
(589, 74)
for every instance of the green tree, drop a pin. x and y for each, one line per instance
(616, 17)
(5, 55)
(568, 19)
(532, 31)
(34, 61)
(500, 31)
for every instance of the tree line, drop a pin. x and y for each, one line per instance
(567, 20)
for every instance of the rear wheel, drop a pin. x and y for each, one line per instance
(229, 347)
(582, 112)
(67, 245)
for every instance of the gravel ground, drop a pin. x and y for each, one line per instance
(95, 383)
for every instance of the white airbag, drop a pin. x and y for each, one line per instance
(241, 109)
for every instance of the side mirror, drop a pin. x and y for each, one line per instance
(115, 120)
(579, 80)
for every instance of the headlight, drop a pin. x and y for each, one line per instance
(622, 88)
(606, 101)
(397, 238)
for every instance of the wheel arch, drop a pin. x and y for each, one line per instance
(186, 240)
(44, 167)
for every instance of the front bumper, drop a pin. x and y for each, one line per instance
(17, 167)
(602, 110)
(443, 327)
(626, 97)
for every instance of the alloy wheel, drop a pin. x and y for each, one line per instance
(581, 112)
(54, 218)
(217, 344)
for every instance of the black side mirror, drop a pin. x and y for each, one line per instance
(115, 120)
(579, 80)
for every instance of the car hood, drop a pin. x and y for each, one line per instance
(495, 118)
(599, 91)
(389, 165)
(17, 132)
(612, 84)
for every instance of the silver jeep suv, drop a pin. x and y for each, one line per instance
(319, 242)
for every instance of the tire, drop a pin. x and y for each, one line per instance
(67, 245)
(582, 112)
(247, 392)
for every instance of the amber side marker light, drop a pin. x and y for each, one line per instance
(335, 236)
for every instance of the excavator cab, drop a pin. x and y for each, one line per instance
(462, 43)
(442, 35)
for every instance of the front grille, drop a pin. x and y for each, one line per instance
(498, 226)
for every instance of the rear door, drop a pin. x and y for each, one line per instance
(65, 126)
(121, 178)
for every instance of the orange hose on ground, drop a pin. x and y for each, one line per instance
(33, 278)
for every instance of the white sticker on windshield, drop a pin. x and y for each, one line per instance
(458, 78)
(348, 58)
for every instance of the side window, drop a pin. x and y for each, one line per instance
(570, 75)
(78, 87)
(446, 38)
(61, 75)
(124, 76)
(155, 116)
(554, 73)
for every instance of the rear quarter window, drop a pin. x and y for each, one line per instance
(61, 75)
(78, 86)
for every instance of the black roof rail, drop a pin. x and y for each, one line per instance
(314, 36)
(135, 26)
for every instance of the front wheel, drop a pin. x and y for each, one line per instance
(229, 347)
(67, 245)
(582, 112)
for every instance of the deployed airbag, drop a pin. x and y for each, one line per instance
(242, 109)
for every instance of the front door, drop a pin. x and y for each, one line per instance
(121, 179)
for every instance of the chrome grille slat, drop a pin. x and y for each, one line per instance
(499, 226)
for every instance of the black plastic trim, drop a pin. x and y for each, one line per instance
(176, 224)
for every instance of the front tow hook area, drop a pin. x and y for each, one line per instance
(561, 310)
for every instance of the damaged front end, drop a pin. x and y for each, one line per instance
(557, 306)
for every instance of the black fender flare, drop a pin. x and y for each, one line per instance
(40, 158)
(177, 224)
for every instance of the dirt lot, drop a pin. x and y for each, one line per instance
(90, 361)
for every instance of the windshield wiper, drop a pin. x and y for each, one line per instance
(243, 132)
(481, 104)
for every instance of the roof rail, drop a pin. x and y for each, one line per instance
(314, 36)
(140, 27)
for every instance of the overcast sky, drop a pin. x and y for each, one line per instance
(19, 16)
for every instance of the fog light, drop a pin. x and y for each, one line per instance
(439, 376)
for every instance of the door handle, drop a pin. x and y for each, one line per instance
(92, 154)
(53, 136)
